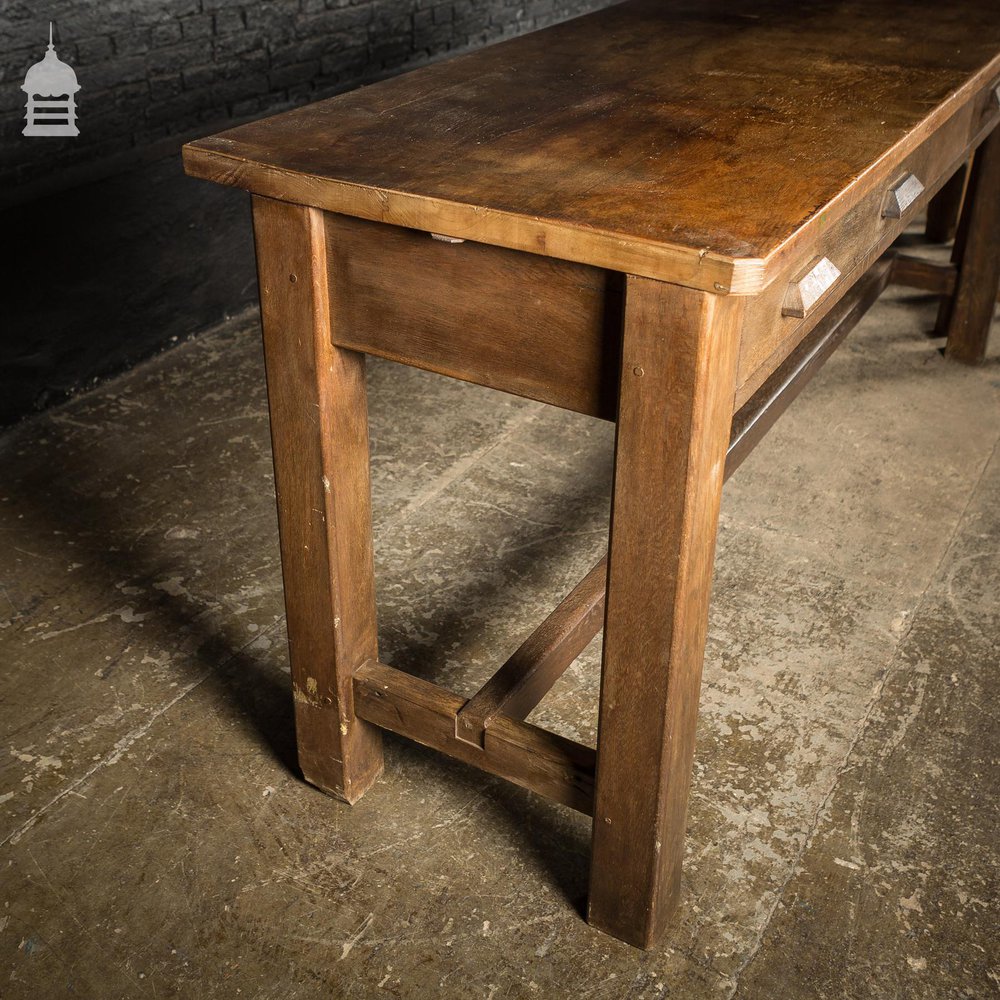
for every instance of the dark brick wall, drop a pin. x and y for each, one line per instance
(119, 254)
(152, 70)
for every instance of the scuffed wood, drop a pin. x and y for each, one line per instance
(656, 137)
(677, 377)
(521, 683)
(546, 329)
(559, 768)
(319, 433)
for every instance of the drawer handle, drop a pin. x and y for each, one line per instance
(808, 288)
(446, 239)
(901, 196)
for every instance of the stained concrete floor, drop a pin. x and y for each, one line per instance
(156, 840)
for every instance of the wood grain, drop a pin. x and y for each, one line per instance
(943, 209)
(705, 143)
(319, 434)
(759, 413)
(556, 767)
(915, 272)
(542, 328)
(678, 370)
(524, 679)
(965, 317)
(698, 154)
(853, 242)
(520, 684)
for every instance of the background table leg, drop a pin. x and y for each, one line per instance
(965, 317)
(675, 410)
(319, 433)
(943, 209)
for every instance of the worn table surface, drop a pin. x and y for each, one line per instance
(681, 140)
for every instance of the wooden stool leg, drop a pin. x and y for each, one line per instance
(943, 209)
(675, 411)
(965, 316)
(319, 433)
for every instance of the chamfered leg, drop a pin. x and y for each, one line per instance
(674, 415)
(965, 317)
(319, 434)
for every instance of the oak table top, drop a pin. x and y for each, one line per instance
(677, 140)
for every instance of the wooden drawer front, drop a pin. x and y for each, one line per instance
(538, 327)
(850, 244)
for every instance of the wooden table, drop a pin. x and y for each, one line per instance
(663, 214)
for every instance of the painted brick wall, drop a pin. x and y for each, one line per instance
(153, 71)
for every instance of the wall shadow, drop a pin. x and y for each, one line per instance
(104, 275)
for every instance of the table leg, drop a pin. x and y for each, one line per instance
(319, 434)
(965, 317)
(943, 209)
(674, 415)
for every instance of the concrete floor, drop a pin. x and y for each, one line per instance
(156, 840)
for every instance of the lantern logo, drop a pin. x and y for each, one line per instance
(51, 88)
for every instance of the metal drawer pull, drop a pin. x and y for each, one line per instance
(808, 288)
(446, 239)
(901, 196)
